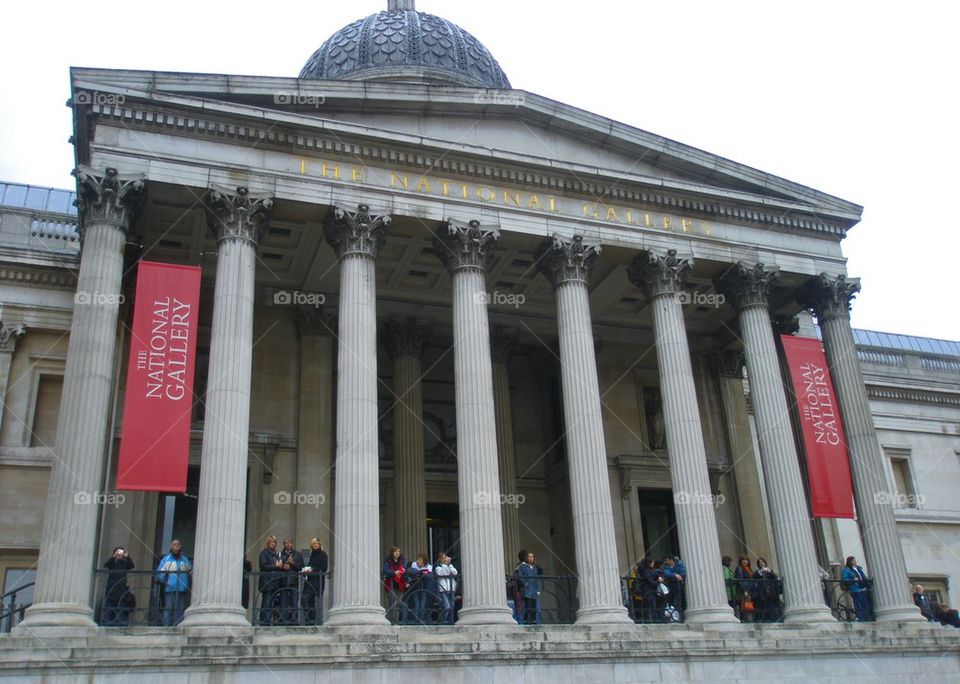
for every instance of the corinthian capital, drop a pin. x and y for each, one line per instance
(828, 296)
(460, 245)
(405, 338)
(312, 321)
(729, 364)
(748, 284)
(237, 216)
(659, 274)
(9, 334)
(355, 232)
(564, 260)
(108, 197)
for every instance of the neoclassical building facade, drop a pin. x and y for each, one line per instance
(442, 314)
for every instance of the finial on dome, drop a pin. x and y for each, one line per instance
(401, 5)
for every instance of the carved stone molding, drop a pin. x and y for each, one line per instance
(564, 260)
(729, 364)
(748, 284)
(9, 334)
(828, 296)
(460, 245)
(659, 274)
(356, 232)
(237, 216)
(312, 321)
(108, 197)
(405, 338)
(502, 343)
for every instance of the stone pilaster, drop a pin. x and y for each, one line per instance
(567, 264)
(356, 237)
(749, 286)
(464, 250)
(661, 277)
(107, 204)
(829, 297)
(746, 461)
(9, 334)
(502, 343)
(238, 221)
(405, 341)
(315, 328)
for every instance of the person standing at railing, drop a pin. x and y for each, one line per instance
(271, 579)
(173, 573)
(447, 585)
(923, 602)
(731, 584)
(118, 602)
(746, 588)
(854, 581)
(314, 583)
(290, 587)
(674, 575)
(767, 599)
(422, 586)
(394, 580)
(529, 587)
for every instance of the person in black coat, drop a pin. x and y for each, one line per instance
(767, 589)
(289, 594)
(314, 584)
(245, 585)
(646, 586)
(117, 599)
(271, 569)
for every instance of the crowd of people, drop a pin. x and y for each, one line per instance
(291, 588)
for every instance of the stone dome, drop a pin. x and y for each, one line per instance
(403, 44)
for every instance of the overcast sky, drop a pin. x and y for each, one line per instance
(857, 99)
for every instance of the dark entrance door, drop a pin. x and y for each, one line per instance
(659, 523)
(443, 532)
(177, 517)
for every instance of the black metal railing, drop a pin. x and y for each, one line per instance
(843, 603)
(285, 599)
(425, 600)
(653, 605)
(13, 605)
(140, 597)
(758, 599)
(542, 599)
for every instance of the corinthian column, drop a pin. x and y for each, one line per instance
(405, 342)
(502, 343)
(661, 277)
(749, 287)
(829, 297)
(238, 221)
(107, 205)
(463, 250)
(356, 237)
(567, 264)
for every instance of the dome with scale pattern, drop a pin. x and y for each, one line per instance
(403, 44)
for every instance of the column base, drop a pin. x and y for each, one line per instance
(616, 615)
(905, 613)
(480, 615)
(819, 615)
(347, 616)
(718, 617)
(56, 620)
(214, 619)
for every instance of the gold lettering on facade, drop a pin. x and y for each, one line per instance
(491, 196)
(686, 225)
(334, 169)
(356, 174)
(511, 197)
(666, 223)
(396, 178)
(534, 202)
(612, 214)
(423, 186)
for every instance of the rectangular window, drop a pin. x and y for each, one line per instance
(47, 411)
(906, 497)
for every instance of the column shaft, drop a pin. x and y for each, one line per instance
(107, 206)
(598, 574)
(878, 524)
(481, 528)
(410, 494)
(507, 465)
(802, 592)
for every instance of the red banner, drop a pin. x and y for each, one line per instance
(828, 468)
(158, 402)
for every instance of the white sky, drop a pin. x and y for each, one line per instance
(858, 99)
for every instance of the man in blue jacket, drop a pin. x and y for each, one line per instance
(173, 573)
